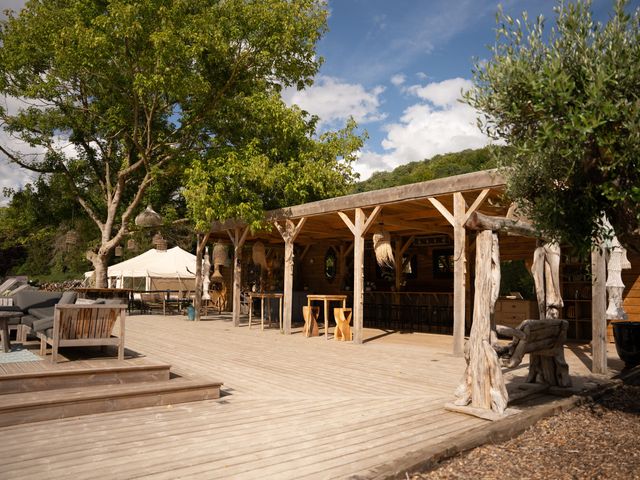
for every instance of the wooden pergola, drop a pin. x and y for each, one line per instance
(432, 207)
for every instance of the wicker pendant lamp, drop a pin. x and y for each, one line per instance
(220, 259)
(148, 218)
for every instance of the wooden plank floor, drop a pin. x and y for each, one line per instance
(292, 407)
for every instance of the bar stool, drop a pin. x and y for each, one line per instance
(342, 331)
(310, 315)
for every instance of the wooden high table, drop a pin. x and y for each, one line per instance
(326, 299)
(262, 297)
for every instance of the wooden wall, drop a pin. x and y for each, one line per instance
(631, 295)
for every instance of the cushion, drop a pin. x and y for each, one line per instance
(42, 312)
(88, 301)
(28, 320)
(68, 298)
(10, 308)
(27, 299)
(42, 324)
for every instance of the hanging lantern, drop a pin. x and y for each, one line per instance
(132, 245)
(220, 254)
(118, 251)
(161, 244)
(156, 238)
(71, 238)
(259, 255)
(382, 248)
(148, 218)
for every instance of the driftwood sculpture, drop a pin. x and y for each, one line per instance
(482, 386)
(482, 391)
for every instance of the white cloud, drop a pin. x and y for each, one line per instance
(438, 124)
(442, 94)
(398, 79)
(334, 101)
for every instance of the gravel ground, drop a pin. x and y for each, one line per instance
(599, 440)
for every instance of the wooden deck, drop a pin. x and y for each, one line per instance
(292, 407)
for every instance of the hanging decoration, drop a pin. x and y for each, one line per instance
(220, 259)
(118, 251)
(206, 267)
(159, 242)
(132, 245)
(382, 247)
(259, 255)
(71, 238)
(148, 218)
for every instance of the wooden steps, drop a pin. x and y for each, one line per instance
(83, 375)
(35, 406)
(37, 391)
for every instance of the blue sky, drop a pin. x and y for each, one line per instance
(398, 67)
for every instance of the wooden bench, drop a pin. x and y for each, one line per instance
(84, 325)
(544, 341)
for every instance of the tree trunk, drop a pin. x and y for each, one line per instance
(99, 261)
(197, 298)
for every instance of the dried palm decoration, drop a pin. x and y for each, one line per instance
(259, 255)
(382, 248)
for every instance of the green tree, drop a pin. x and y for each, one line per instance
(269, 157)
(439, 166)
(134, 86)
(566, 101)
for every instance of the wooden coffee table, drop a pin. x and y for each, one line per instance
(4, 328)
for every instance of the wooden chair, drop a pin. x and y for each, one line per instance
(342, 332)
(544, 341)
(84, 325)
(151, 300)
(310, 315)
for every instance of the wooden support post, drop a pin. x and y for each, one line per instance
(289, 233)
(359, 228)
(598, 311)
(459, 273)
(458, 220)
(238, 238)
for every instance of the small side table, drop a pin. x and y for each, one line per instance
(4, 328)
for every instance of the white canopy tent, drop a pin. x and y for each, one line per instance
(172, 269)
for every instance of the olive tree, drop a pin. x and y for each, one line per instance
(567, 102)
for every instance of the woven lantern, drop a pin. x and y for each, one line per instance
(132, 245)
(148, 218)
(220, 259)
(118, 251)
(71, 238)
(159, 242)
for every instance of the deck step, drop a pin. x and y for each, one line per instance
(27, 407)
(49, 379)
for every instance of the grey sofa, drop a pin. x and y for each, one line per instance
(37, 308)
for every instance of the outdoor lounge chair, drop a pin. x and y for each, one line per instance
(84, 325)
